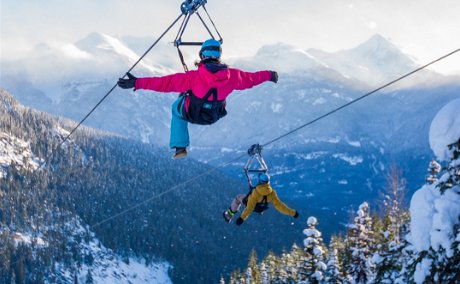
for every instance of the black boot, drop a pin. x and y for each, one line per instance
(180, 152)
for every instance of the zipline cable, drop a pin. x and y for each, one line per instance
(271, 141)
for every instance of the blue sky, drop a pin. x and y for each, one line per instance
(425, 29)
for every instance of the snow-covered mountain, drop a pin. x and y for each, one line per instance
(375, 61)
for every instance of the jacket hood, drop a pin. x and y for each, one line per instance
(215, 73)
(264, 189)
(214, 66)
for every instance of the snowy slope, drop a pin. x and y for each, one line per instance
(104, 266)
(108, 267)
(15, 151)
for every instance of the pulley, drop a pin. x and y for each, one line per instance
(188, 8)
(255, 164)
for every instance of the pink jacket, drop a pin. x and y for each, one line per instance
(201, 80)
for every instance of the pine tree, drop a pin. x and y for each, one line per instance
(252, 272)
(387, 231)
(360, 241)
(313, 262)
(282, 270)
(89, 278)
(433, 170)
(333, 273)
(271, 264)
(264, 275)
(288, 265)
(440, 262)
(449, 271)
(296, 255)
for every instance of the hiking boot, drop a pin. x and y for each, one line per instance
(180, 152)
(228, 215)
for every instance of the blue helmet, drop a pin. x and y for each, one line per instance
(264, 178)
(211, 48)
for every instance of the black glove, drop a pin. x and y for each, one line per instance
(239, 221)
(274, 77)
(296, 215)
(127, 83)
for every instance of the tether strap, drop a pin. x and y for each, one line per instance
(181, 57)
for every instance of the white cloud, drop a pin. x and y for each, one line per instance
(72, 51)
(426, 29)
(372, 25)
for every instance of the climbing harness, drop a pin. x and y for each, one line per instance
(254, 166)
(201, 110)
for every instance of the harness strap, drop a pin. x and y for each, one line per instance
(264, 200)
(181, 57)
(213, 92)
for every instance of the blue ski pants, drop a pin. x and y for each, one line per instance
(179, 127)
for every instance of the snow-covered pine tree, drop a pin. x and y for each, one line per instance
(333, 273)
(450, 186)
(360, 268)
(407, 253)
(313, 267)
(297, 257)
(433, 170)
(269, 272)
(283, 269)
(434, 237)
(252, 272)
(264, 275)
(387, 231)
(237, 277)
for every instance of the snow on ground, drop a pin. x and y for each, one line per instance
(15, 150)
(108, 267)
(353, 161)
(20, 238)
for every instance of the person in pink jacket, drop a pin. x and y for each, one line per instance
(203, 91)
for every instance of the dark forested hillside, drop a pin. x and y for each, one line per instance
(133, 196)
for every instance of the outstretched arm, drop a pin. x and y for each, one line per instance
(245, 80)
(281, 207)
(179, 82)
